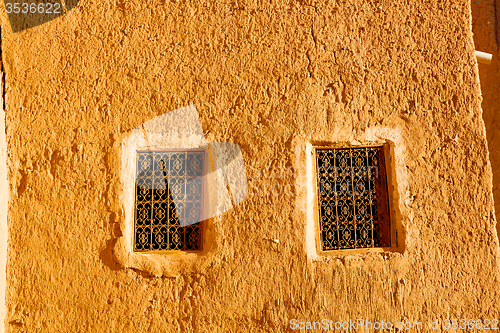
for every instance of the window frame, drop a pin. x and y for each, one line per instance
(388, 161)
(205, 242)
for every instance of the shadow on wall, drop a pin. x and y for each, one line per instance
(25, 15)
(485, 27)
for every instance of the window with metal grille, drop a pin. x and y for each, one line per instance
(353, 201)
(168, 201)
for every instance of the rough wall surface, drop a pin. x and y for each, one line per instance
(485, 27)
(4, 208)
(262, 75)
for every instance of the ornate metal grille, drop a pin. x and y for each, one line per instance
(169, 188)
(352, 198)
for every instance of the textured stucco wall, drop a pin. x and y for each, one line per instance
(485, 27)
(264, 75)
(4, 208)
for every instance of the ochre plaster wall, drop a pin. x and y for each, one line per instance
(4, 208)
(485, 26)
(266, 76)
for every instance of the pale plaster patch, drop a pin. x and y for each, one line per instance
(306, 179)
(179, 129)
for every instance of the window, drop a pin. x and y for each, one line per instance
(169, 200)
(353, 200)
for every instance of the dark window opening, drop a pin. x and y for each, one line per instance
(353, 201)
(168, 201)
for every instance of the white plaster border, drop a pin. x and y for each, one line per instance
(178, 130)
(306, 180)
